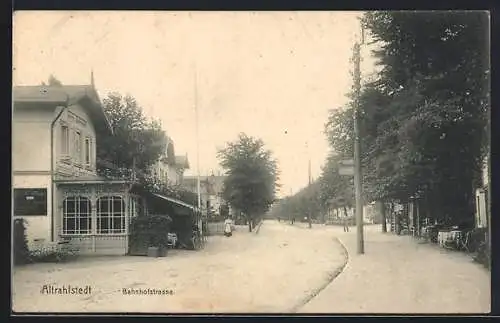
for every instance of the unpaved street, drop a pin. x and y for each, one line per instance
(276, 270)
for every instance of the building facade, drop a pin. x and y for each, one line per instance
(56, 189)
(211, 188)
(169, 169)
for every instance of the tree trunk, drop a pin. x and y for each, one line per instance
(384, 217)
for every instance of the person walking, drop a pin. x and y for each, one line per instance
(228, 227)
(346, 223)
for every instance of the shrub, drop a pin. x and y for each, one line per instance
(53, 253)
(20, 242)
(149, 231)
(479, 246)
(477, 238)
(482, 255)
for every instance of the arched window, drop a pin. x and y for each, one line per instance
(76, 215)
(110, 215)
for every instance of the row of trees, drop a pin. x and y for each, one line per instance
(424, 118)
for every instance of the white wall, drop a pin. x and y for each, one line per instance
(31, 156)
(38, 227)
(31, 139)
(31, 162)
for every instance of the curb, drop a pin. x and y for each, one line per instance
(330, 279)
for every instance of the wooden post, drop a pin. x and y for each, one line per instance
(383, 216)
(417, 211)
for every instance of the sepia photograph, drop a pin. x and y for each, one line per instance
(245, 162)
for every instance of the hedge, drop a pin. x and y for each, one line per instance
(149, 231)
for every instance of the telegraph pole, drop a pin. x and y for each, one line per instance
(357, 146)
(198, 185)
(309, 221)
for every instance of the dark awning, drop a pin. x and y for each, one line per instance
(176, 201)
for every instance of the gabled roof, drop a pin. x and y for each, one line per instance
(68, 95)
(38, 93)
(182, 161)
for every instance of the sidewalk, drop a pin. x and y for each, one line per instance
(398, 275)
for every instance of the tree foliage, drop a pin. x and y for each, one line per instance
(330, 191)
(135, 142)
(423, 120)
(252, 174)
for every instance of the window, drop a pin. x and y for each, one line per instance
(110, 215)
(88, 151)
(77, 147)
(132, 209)
(30, 201)
(64, 140)
(77, 215)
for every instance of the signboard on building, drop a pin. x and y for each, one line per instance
(30, 201)
(346, 167)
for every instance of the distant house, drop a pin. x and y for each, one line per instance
(176, 171)
(169, 169)
(211, 188)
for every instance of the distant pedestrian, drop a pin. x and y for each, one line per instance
(228, 227)
(279, 219)
(346, 224)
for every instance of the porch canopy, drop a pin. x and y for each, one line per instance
(177, 204)
(183, 215)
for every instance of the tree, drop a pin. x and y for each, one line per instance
(335, 190)
(136, 143)
(436, 64)
(252, 174)
(423, 120)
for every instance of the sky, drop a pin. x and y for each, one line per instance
(272, 75)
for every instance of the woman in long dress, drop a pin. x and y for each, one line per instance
(228, 230)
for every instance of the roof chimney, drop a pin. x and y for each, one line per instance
(92, 78)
